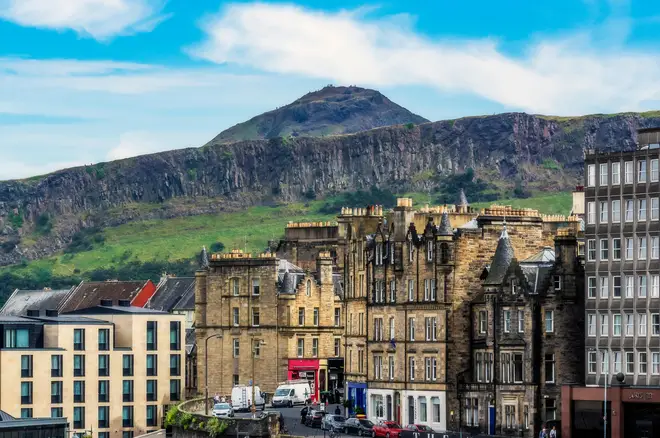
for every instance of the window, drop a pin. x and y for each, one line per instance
(655, 324)
(603, 174)
(641, 284)
(56, 413)
(316, 316)
(26, 365)
(616, 248)
(127, 416)
(521, 321)
(550, 409)
(411, 367)
(655, 358)
(152, 335)
(591, 358)
(629, 210)
(152, 390)
(655, 247)
(152, 364)
(641, 171)
(411, 328)
(630, 325)
(431, 324)
(603, 212)
(104, 365)
(642, 324)
(655, 286)
(128, 434)
(411, 290)
(435, 409)
(127, 392)
(378, 329)
(604, 249)
(79, 339)
(236, 350)
(392, 331)
(301, 347)
(641, 366)
(506, 368)
(56, 365)
(641, 213)
(478, 366)
(423, 414)
(175, 364)
(526, 417)
(78, 417)
(411, 250)
(127, 365)
(104, 413)
(379, 292)
(152, 415)
(557, 281)
(655, 212)
(616, 174)
(429, 251)
(256, 283)
(433, 289)
(616, 324)
(78, 365)
(630, 286)
(392, 291)
(235, 379)
(255, 317)
(78, 391)
(616, 211)
(507, 321)
(517, 367)
(628, 169)
(616, 287)
(104, 339)
(337, 347)
(510, 417)
(630, 362)
(642, 248)
(591, 324)
(482, 322)
(235, 287)
(591, 213)
(337, 316)
(175, 335)
(235, 316)
(591, 287)
(56, 392)
(379, 254)
(654, 170)
(617, 362)
(104, 391)
(378, 367)
(604, 362)
(301, 316)
(431, 369)
(549, 321)
(604, 329)
(26, 393)
(591, 250)
(514, 286)
(390, 367)
(591, 175)
(175, 390)
(315, 347)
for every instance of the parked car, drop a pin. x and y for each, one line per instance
(333, 422)
(314, 418)
(387, 429)
(419, 428)
(223, 410)
(358, 426)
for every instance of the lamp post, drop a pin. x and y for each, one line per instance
(256, 344)
(206, 370)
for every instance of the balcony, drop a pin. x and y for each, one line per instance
(475, 387)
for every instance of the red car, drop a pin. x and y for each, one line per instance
(386, 429)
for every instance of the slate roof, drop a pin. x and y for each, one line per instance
(90, 294)
(537, 268)
(170, 292)
(5, 416)
(191, 340)
(110, 310)
(501, 260)
(472, 224)
(445, 227)
(546, 255)
(187, 302)
(23, 300)
(338, 285)
(289, 277)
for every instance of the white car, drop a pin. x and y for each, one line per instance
(222, 410)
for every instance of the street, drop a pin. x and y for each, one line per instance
(292, 422)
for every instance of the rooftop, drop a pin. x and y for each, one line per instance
(23, 300)
(70, 319)
(10, 319)
(114, 310)
(170, 292)
(90, 294)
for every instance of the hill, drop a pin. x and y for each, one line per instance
(329, 111)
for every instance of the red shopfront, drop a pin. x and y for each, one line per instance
(306, 369)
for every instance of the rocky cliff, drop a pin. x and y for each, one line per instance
(39, 216)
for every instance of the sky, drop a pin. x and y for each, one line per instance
(85, 81)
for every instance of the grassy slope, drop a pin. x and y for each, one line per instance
(174, 239)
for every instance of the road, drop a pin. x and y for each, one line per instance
(292, 422)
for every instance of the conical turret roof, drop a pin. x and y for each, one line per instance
(501, 260)
(204, 258)
(445, 227)
(462, 200)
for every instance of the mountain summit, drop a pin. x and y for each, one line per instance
(331, 110)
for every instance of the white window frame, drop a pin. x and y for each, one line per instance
(300, 348)
(630, 211)
(616, 248)
(236, 316)
(628, 172)
(604, 325)
(315, 347)
(641, 248)
(654, 170)
(507, 320)
(630, 286)
(411, 368)
(521, 321)
(392, 291)
(604, 253)
(591, 287)
(411, 290)
(616, 324)
(630, 362)
(483, 322)
(655, 209)
(591, 324)
(604, 362)
(256, 287)
(390, 366)
(642, 206)
(617, 361)
(616, 211)
(591, 250)
(392, 328)
(316, 316)
(642, 286)
(642, 171)
(655, 247)
(655, 324)
(591, 213)
(411, 329)
(642, 362)
(655, 286)
(551, 313)
(616, 173)
(603, 213)
(604, 286)
(602, 177)
(655, 362)
(591, 175)
(630, 324)
(255, 313)
(642, 324)
(429, 250)
(236, 348)
(592, 362)
(630, 248)
(616, 286)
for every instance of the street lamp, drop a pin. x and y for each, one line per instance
(206, 370)
(256, 344)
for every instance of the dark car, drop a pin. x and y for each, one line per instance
(419, 428)
(358, 426)
(314, 418)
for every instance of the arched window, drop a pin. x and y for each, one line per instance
(309, 287)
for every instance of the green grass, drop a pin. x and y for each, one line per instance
(180, 238)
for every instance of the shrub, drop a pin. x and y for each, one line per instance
(217, 247)
(16, 219)
(550, 164)
(192, 174)
(409, 125)
(310, 194)
(44, 224)
(84, 240)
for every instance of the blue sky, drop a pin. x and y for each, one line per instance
(84, 81)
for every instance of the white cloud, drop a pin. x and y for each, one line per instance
(560, 76)
(132, 144)
(99, 19)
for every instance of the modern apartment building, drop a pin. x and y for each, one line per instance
(622, 198)
(109, 368)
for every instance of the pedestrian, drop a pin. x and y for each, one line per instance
(337, 410)
(553, 432)
(216, 398)
(223, 399)
(543, 433)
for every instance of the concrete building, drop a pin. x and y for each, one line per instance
(268, 320)
(622, 232)
(110, 368)
(11, 427)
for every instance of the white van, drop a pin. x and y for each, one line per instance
(292, 392)
(241, 398)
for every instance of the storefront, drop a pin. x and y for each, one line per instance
(381, 405)
(307, 369)
(631, 412)
(357, 392)
(336, 379)
(425, 407)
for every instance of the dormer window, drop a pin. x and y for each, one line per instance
(514, 286)
(308, 290)
(429, 251)
(557, 281)
(379, 254)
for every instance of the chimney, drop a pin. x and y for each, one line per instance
(124, 303)
(324, 267)
(52, 313)
(33, 312)
(106, 303)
